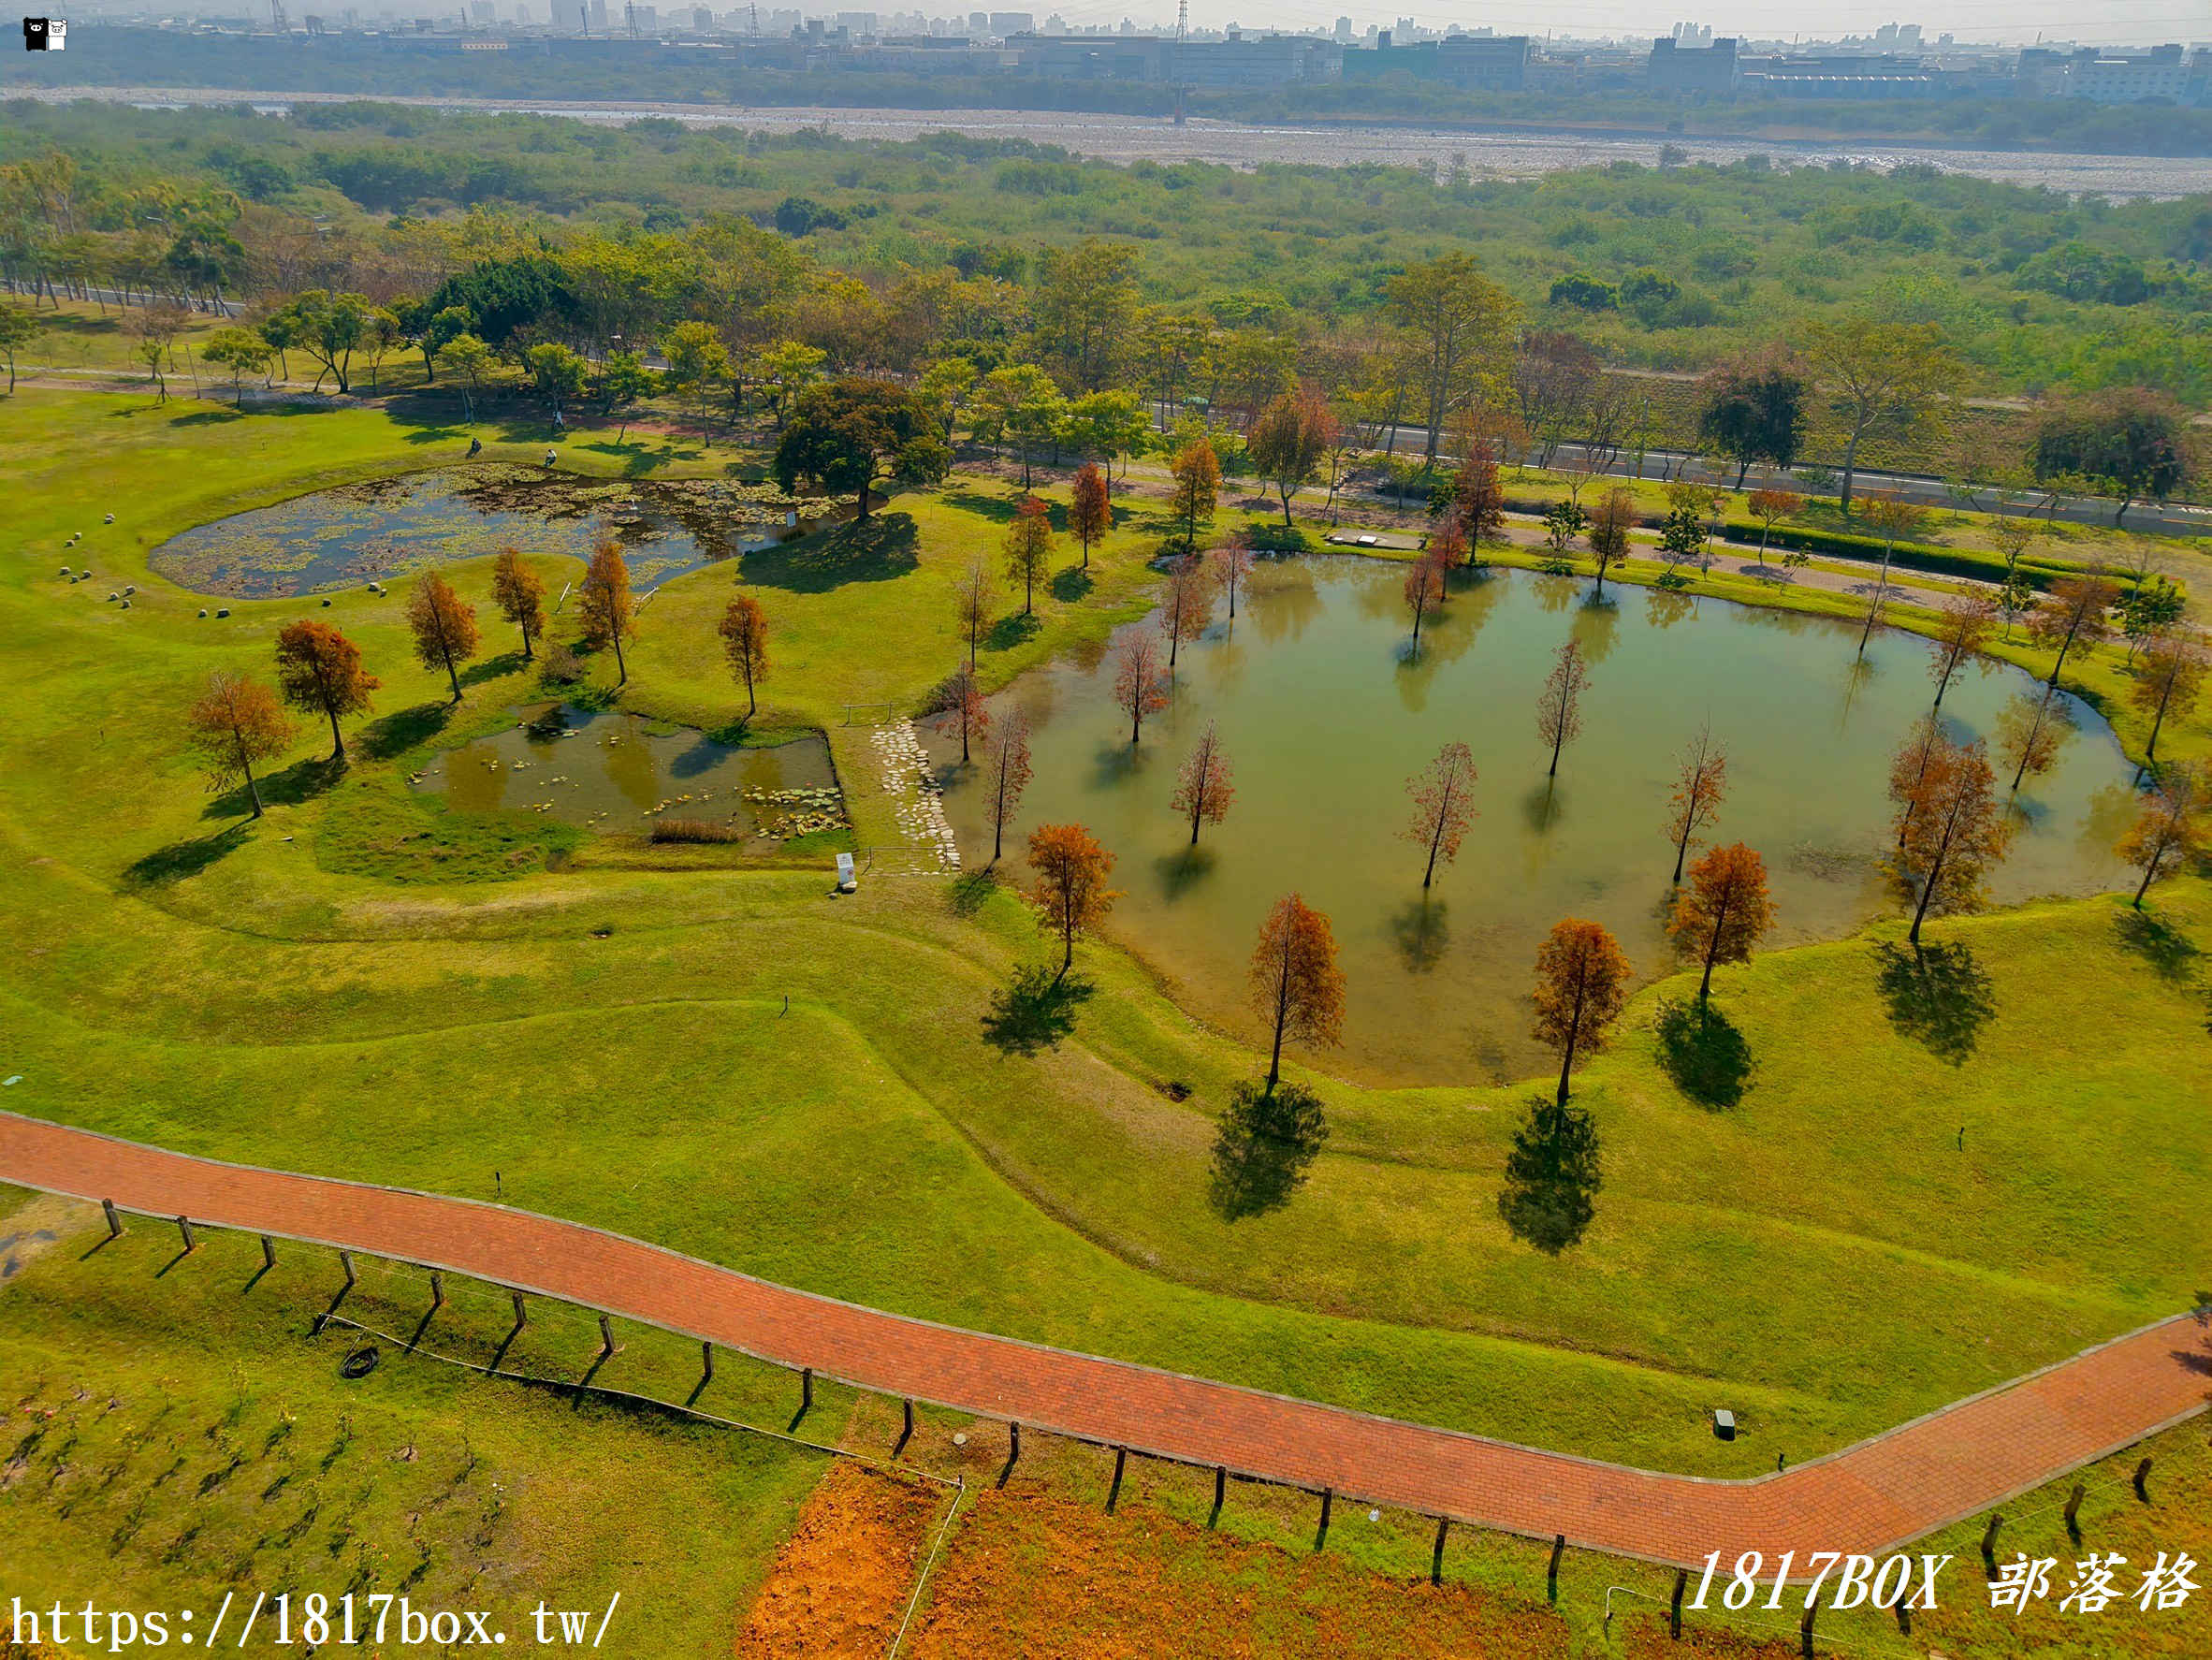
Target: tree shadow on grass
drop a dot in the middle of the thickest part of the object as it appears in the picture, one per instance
(1938, 995)
(492, 668)
(874, 549)
(1551, 1176)
(1000, 509)
(2171, 954)
(300, 781)
(1703, 1052)
(181, 859)
(1035, 1010)
(1264, 1149)
(405, 730)
(1070, 584)
(211, 417)
(1011, 630)
(972, 890)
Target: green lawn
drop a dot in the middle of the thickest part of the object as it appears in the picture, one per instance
(318, 992)
(177, 1432)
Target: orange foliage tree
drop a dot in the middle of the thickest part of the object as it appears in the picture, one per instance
(1091, 517)
(1609, 534)
(235, 723)
(604, 605)
(1581, 982)
(1698, 789)
(2173, 667)
(1139, 684)
(2031, 733)
(1955, 829)
(1028, 547)
(1443, 805)
(1202, 787)
(1195, 489)
(1771, 507)
(1297, 987)
(2074, 614)
(520, 595)
(1006, 774)
(1071, 892)
(1725, 910)
(319, 670)
(744, 629)
(444, 627)
(2171, 822)
(1559, 708)
(1963, 626)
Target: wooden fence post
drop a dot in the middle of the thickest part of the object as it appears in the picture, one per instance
(114, 1221)
(1990, 1546)
(1436, 1556)
(607, 1339)
(437, 1290)
(2142, 1478)
(184, 1228)
(1551, 1574)
(805, 1390)
(1805, 1629)
(1674, 1613)
(268, 1252)
(1121, 1463)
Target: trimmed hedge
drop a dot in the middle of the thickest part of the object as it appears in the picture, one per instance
(1914, 555)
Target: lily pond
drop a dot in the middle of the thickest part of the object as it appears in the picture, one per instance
(1324, 712)
(619, 772)
(361, 532)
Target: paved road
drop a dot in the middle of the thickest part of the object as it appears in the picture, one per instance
(1880, 1493)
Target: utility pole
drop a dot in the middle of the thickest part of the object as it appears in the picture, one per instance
(1182, 26)
(283, 23)
(756, 21)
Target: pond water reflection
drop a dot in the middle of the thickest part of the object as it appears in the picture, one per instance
(356, 533)
(1325, 714)
(618, 772)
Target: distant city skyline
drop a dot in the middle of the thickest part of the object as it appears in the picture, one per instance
(2018, 22)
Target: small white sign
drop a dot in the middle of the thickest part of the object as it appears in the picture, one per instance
(846, 882)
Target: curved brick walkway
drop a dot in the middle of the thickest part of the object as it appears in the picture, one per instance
(1872, 1496)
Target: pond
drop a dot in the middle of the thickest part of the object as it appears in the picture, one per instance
(619, 772)
(360, 532)
(1325, 714)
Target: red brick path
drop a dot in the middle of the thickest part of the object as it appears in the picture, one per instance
(1872, 1496)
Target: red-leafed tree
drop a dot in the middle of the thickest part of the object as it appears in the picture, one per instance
(1202, 787)
(1006, 774)
(1297, 987)
(520, 594)
(1071, 892)
(965, 708)
(1232, 562)
(1698, 787)
(1963, 626)
(1029, 548)
(1955, 829)
(1559, 708)
(1186, 603)
(1091, 517)
(1140, 683)
(1443, 805)
(1424, 591)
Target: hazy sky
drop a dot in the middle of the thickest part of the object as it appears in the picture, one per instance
(2144, 21)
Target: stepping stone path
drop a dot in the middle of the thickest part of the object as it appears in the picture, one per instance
(916, 797)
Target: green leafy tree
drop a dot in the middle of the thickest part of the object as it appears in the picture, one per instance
(2131, 440)
(331, 327)
(697, 360)
(1460, 329)
(559, 374)
(1288, 440)
(787, 371)
(1883, 379)
(1020, 405)
(1752, 409)
(240, 351)
(19, 328)
(470, 362)
(1086, 306)
(849, 434)
(624, 381)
